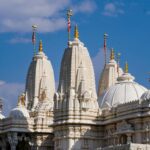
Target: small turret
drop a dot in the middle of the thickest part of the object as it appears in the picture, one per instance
(109, 74)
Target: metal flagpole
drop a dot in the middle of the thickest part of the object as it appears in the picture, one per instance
(34, 28)
(118, 62)
(69, 14)
(105, 47)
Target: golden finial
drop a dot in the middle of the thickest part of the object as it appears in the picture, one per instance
(76, 32)
(112, 54)
(40, 46)
(126, 70)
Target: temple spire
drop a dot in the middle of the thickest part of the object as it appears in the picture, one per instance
(112, 54)
(40, 46)
(76, 32)
(126, 70)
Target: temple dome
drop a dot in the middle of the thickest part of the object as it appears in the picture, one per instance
(145, 95)
(40, 78)
(125, 90)
(19, 113)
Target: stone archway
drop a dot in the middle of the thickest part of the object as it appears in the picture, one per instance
(123, 139)
(23, 145)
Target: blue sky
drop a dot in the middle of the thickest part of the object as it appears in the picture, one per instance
(127, 23)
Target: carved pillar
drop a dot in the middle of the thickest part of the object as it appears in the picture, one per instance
(13, 140)
(3, 144)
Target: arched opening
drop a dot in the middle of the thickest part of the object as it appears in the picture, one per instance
(23, 145)
(123, 139)
(8, 146)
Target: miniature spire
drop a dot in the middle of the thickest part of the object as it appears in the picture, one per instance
(76, 32)
(69, 14)
(126, 70)
(40, 46)
(105, 47)
(21, 100)
(112, 54)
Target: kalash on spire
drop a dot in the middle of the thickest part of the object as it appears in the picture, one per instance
(41, 46)
(76, 32)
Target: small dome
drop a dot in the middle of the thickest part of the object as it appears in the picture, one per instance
(125, 90)
(146, 95)
(19, 112)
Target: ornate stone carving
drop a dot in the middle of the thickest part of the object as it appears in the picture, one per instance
(124, 126)
(13, 140)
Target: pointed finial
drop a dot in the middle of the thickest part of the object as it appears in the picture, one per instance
(112, 54)
(76, 32)
(40, 46)
(126, 70)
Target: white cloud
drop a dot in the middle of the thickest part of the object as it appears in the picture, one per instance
(113, 9)
(2, 82)
(9, 92)
(19, 16)
(85, 6)
(19, 40)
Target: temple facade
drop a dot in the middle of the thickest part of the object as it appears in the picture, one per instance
(76, 116)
